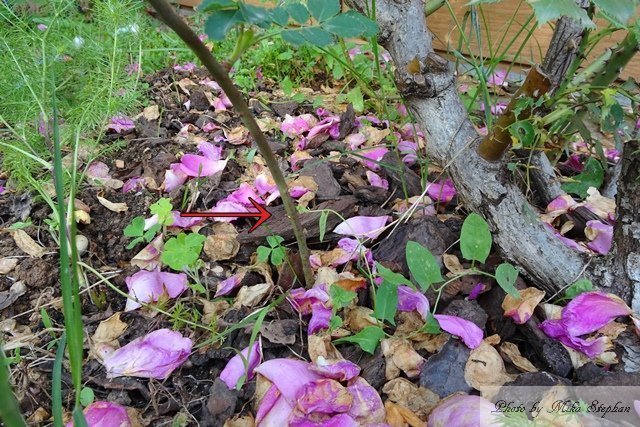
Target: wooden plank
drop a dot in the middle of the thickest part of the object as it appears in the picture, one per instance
(498, 38)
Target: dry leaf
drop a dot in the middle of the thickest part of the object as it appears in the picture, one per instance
(399, 416)
(7, 265)
(400, 356)
(374, 135)
(105, 338)
(27, 244)
(352, 285)
(493, 339)
(600, 205)
(357, 318)
(521, 309)
(405, 393)
(82, 217)
(9, 297)
(212, 309)
(250, 296)
(452, 263)
(237, 136)
(185, 83)
(306, 198)
(113, 207)
(220, 247)
(241, 421)
(485, 369)
(321, 345)
(149, 257)
(513, 355)
(151, 113)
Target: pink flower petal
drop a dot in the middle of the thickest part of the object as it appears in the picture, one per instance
(367, 408)
(174, 177)
(150, 286)
(556, 329)
(590, 311)
(409, 151)
(320, 318)
(98, 170)
(227, 206)
(355, 140)
(226, 286)
(134, 184)
(601, 236)
(341, 370)
(476, 291)
(442, 191)
(298, 419)
(468, 331)
(155, 355)
(288, 375)
(242, 195)
(120, 124)
(184, 222)
(267, 403)
(373, 156)
(410, 300)
(235, 368)
(463, 410)
(296, 126)
(149, 257)
(198, 166)
(324, 396)
(303, 300)
(277, 414)
(352, 247)
(265, 184)
(377, 181)
(561, 203)
(210, 151)
(498, 78)
(188, 67)
(362, 226)
(105, 414)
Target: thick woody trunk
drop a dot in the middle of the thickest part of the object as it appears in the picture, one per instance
(484, 187)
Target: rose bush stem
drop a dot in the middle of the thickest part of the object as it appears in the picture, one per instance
(219, 74)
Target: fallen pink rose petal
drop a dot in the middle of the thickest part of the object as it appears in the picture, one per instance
(329, 125)
(464, 410)
(134, 184)
(222, 102)
(149, 257)
(228, 206)
(149, 286)
(367, 407)
(199, 166)
(155, 355)
(188, 67)
(298, 191)
(295, 126)
(210, 151)
(601, 236)
(590, 311)
(410, 300)
(584, 315)
(498, 78)
(320, 318)
(476, 291)
(442, 191)
(574, 162)
(184, 222)
(174, 177)
(341, 370)
(377, 181)
(325, 396)
(521, 309)
(402, 110)
(226, 286)
(212, 84)
(362, 226)
(98, 170)
(297, 157)
(302, 300)
(567, 241)
(409, 151)
(372, 157)
(269, 399)
(355, 140)
(120, 124)
(612, 154)
(561, 203)
(235, 368)
(265, 184)
(298, 419)
(288, 375)
(105, 414)
(557, 330)
(243, 194)
(497, 109)
(277, 415)
(352, 246)
(468, 331)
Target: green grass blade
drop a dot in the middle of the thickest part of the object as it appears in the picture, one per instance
(9, 411)
(56, 383)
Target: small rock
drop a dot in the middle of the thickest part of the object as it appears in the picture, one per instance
(284, 108)
(222, 401)
(589, 372)
(469, 310)
(82, 243)
(443, 373)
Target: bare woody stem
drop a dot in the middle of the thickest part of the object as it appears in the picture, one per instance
(175, 22)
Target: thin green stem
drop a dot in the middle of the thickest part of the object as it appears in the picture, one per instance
(9, 410)
(190, 38)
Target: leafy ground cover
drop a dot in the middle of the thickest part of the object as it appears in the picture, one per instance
(190, 321)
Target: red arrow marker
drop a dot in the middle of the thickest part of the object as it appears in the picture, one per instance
(262, 214)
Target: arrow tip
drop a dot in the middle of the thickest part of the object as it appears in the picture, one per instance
(264, 214)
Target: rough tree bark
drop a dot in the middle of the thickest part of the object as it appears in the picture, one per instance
(484, 187)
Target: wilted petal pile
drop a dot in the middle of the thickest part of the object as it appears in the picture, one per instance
(584, 315)
(155, 355)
